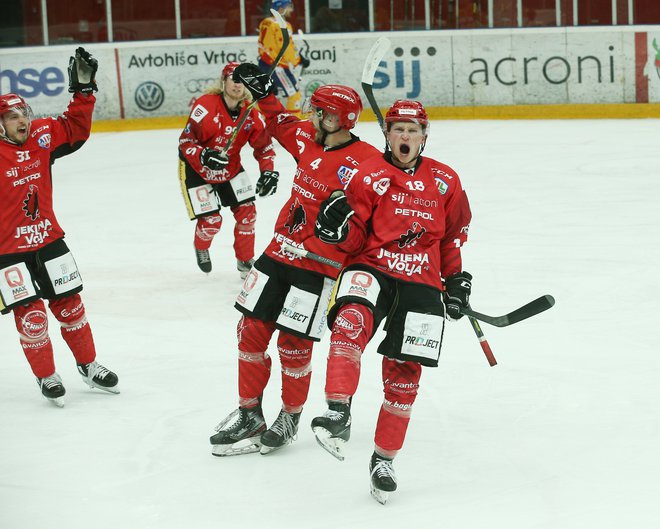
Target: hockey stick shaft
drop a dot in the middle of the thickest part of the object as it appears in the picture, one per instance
(301, 252)
(285, 44)
(376, 54)
(485, 346)
(532, 308)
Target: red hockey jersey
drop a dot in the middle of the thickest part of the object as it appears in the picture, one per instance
(410, 227)
(320, 171)
(211, 125)
(27, 220)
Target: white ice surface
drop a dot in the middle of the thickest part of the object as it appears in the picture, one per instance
(563, 434)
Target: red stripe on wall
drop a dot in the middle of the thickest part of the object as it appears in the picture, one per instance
(641, 58)
(121, 94)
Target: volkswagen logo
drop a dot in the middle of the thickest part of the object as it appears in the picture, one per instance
(149, 96)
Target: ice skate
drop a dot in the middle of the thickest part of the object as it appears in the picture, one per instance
(333, 428)
(97, 376)
(52, 389)
(240, 433)
(383, 478)
(281, 433)
(244, 267)
(204, 260)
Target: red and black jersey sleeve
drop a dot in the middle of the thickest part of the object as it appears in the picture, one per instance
(282, 125)
(262, 144)
(457, 222)
(70, 130)
(197, 132)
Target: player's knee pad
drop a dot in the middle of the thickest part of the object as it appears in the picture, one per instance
(69, 311)
(32, 323)
(246, 218)
(295, 355)
(208, 227)
(253, 334)
(400, 385)
(351, 331)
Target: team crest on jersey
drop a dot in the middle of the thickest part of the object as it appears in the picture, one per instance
(442, 186)
(297, 217)
(411, 237)
(44, 141)
(31, 203)
(381, 186)
(346, 173)
(198, 113)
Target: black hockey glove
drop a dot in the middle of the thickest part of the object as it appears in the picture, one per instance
(267, 183)
(304, 61)
(213, 159)
(82, 72)
(258, 83)
(332, 221)
(457, 294)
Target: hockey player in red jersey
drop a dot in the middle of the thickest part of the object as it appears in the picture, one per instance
(281, 291)
(402, 220)
(35, 262)
(210, 180)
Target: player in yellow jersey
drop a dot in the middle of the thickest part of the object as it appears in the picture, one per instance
(270, 42)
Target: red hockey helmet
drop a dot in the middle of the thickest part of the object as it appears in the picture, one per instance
(407, 111)
(340, 100)
(229, 69)
(13, 103)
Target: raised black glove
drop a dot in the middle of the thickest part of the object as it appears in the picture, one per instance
(82, 72)
(213, 159)
(457, 294)
(304, 61)
(258, 83)
(267, 183)
(331, 224)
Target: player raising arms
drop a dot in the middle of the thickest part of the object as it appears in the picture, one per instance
(281, 291)
(35, 262)
(210, 180)
(402, 220)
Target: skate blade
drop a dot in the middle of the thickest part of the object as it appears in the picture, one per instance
(245, 446)
(114, 390)
(265, 449)
(333, 445)
(57, 401)
(380, 496)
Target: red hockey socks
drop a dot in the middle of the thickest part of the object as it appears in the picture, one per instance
(253, 362)
(77, 334)
(296, 361)
(246, 217)
(400, 383)
(32, 325)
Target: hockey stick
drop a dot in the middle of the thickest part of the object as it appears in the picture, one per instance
(376, 54)
(526, 311)
(285, 44)
(301, 252)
